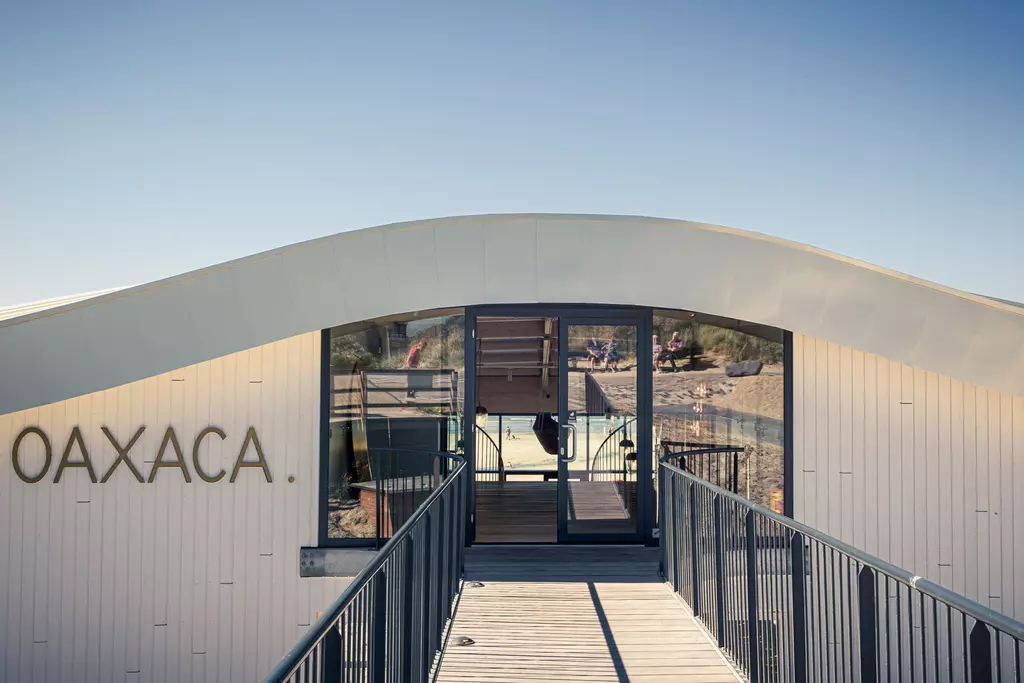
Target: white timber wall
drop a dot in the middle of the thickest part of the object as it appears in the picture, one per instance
(921, 470)
(165, 581)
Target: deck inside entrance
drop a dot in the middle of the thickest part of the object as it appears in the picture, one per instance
(562, 613)
(526, 511)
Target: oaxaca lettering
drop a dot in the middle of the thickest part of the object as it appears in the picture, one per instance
(168, 456)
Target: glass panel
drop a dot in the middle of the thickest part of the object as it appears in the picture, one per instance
(516, 431)
(602, 403)
(719, 394)
(393, 384)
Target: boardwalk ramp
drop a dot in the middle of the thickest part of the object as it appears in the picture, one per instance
(558, 613)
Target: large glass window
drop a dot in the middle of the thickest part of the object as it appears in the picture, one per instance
(393, 383)
(719, 394)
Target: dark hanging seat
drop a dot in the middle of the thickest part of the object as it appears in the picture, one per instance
(546, 429)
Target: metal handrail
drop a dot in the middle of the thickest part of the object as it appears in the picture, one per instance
(711, 450)
(307, 659)
(500, 471)
(780, 593)
(598, 455)
(930, 588)
(613, 433)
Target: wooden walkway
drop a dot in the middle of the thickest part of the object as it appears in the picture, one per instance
(557, 613)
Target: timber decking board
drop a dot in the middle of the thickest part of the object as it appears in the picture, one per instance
(558, 613)
(526, 511)
(516, 512)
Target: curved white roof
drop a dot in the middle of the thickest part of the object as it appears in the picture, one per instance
(118, 337)
(46, 304)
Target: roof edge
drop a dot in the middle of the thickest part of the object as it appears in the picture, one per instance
(108, 295)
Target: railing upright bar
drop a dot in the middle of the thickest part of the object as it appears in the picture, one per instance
(752, 612)
(664, 529)
(380, 619)
(735, 472)
(719, 533)
(694, 543)
(449, 558)
(330, 659)
(436, 594)
(424, 643)
(799, 585)
(981, 653)
(408, 629)
(867, 600)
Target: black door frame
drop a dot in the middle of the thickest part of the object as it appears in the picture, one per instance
(587, 313)
(644, 518)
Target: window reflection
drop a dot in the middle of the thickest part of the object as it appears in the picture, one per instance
(393, 383)
(716, 387)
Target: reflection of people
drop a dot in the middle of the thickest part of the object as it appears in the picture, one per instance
(594, 355)
(677, 348)
(508, 433)
(661, 354)
(611, 354)
(413, 361)
(675, 344)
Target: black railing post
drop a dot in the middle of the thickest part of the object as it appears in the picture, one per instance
(330, 667)
(378, 498)
(425, 653)
(380, 627)
(719, 532)
(735, 471)
(437, 627)
(663, 525)
(752, 611)
(408, 629)
(867, 599)
(460, 533)
(799, 608)
(694, 544)
(672, 488)
(981, 653)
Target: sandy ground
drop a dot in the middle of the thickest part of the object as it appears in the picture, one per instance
(525, 452)
(761, 394)
(346, 519)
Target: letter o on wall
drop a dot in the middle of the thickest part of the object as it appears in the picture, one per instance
(14, 455)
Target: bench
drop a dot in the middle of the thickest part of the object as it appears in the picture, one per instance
(690, 351)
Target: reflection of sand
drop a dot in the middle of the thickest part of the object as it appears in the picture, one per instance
(758, 395)
(525, 451)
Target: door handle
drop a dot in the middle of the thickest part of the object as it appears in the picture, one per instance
(571, 427)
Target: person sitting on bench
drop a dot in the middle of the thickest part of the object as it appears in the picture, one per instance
(677, 347)
(594, 354)
(611, 354)
(660, 355)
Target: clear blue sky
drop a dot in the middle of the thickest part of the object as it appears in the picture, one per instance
(140, 140)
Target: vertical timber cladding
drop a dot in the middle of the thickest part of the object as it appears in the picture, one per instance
(917, 468)
(190, 573)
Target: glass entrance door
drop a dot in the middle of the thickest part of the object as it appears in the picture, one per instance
(604, 440)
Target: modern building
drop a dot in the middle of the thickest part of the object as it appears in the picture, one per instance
(187, 467)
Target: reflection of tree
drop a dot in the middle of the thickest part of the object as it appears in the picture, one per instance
(445, 344)
(365, 350)
(348, 352)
